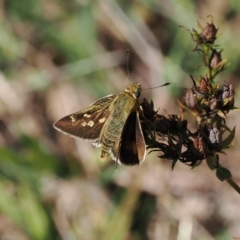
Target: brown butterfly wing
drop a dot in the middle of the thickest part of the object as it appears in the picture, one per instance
(87, 123)
(131, 148)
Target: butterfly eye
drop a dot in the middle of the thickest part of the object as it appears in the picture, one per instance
(137, 94)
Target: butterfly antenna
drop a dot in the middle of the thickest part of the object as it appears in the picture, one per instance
(165, 84)
(128, 53)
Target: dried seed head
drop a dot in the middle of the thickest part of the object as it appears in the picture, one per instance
(147, 110)
(198, 147)
(163, 124)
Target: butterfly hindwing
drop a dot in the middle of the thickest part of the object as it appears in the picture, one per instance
(131, 148)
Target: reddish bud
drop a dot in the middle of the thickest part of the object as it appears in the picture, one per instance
(203, 85)
(209, 33)
(190, 98)
(215, 59)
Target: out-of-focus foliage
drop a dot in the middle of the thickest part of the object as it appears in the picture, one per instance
(57, 57)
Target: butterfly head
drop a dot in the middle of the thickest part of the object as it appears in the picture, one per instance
(134, 89)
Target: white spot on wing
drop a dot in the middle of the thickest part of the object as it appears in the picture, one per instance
(72, 118)
(90, 123)
(102, 120)
(87, 115)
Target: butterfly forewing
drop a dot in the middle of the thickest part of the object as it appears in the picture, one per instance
(87, 123)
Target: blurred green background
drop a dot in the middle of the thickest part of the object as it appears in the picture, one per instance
(57, 57)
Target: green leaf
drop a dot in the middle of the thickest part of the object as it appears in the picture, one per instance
(228, 141)
(195, 35)
(212, 161)
(32, 212)
(174, 163)
(197, 164)
(236, 109)
(221, 114)
(223, 174)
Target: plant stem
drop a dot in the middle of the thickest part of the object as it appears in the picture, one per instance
(233, 185)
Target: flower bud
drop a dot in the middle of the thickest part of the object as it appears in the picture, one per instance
(190, 98)
(213, 105)
(228, 91)
(201, 89)
(215, 59)
(203, 85)
(209, 33)
(228, 95)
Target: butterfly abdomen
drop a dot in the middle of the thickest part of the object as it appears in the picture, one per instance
(109, 138)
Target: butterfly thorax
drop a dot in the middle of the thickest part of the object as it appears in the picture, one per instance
(122, 106)
(134, 89)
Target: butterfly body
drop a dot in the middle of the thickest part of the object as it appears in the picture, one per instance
(111, 123)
